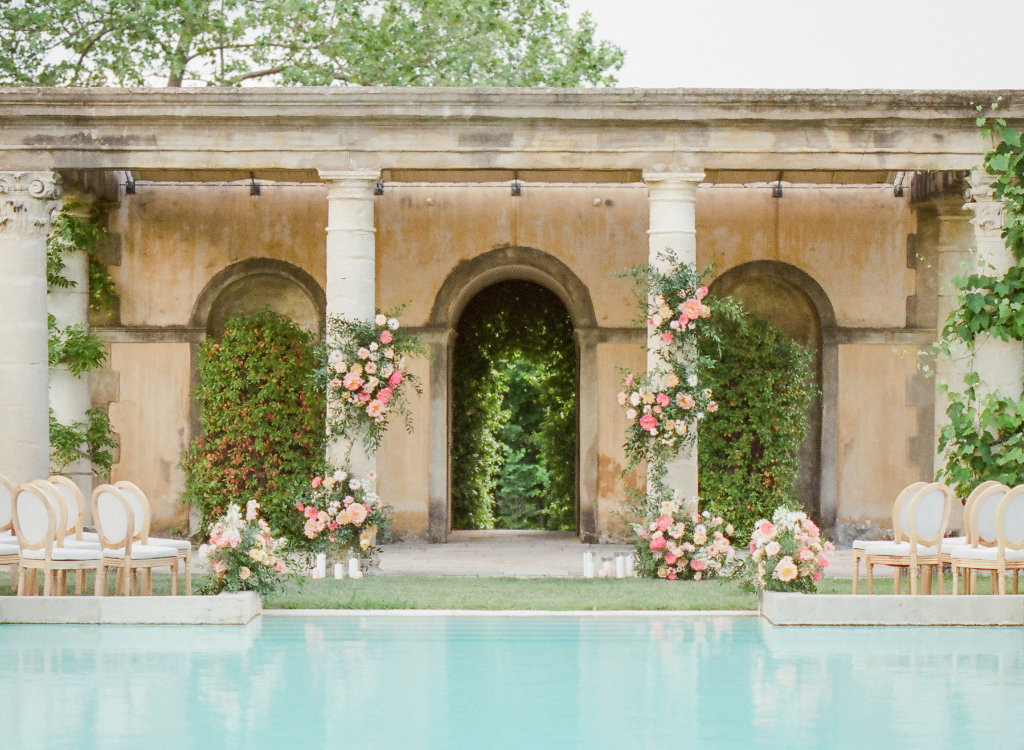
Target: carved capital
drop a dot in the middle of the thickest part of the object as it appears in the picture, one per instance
(988, 212)
(28, 201)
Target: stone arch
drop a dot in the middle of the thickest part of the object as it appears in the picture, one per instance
(796, 303)
(466, 280)
(249, 286)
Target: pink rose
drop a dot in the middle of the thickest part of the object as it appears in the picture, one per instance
(385, 337)
(395, 379)
(316, 482)
(698, 564)
(352, 381)
(311, 512)
(670, 558)
(765, 529)
(335, 383)
(702, 292)
(685, 401)
(357, 512)
(385, 395)
(683, 320)
(671, 576)
(823, 561)
(657, 544)
(816, 576)
(648, 422)
(753, 546)
(364, 397)
(629, 380)
(644, 533)
(804, 554)
(662, 399)
(691, 309)
(664, 522)
(299, 506)
(713, 406)
(810, 527)
(667, 337)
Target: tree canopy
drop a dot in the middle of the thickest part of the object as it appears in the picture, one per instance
(301, 42)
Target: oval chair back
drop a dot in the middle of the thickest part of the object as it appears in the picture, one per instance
(73, 500)
(1010, 521)
(140, 507)
(928, 515)
(34, 520)
(6, 502)
(114, 518)
(60, 508)
(899, 509)
(969, 503)
(983, 516)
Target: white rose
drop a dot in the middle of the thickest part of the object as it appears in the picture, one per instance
(630, 414)
(692, 381)
(393, 324)
(334, 357)
(340, 367)
(389, 353)
(634, 398)
(374, 346)
(656, 320)
(380, 320)
(622, 399)
(354, 484)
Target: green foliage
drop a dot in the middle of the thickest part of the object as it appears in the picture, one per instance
(262, 421)
(91, 440)
(363, 371)
(984, 437)
(301, 42)
(514, 411)
(74, 347)
(749, 448)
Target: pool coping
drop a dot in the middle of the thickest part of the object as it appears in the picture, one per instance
(509, 613)
(789, 609)
(223, 609)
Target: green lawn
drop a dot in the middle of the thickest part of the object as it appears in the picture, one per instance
(424, 592)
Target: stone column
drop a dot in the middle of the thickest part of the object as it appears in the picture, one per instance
(27, 203)
(70, 395)
(351, 269)
(999, 363)
(673, 226)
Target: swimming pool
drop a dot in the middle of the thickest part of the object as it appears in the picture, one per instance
(501, 682)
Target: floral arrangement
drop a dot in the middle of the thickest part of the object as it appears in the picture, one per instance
(663, 405)
(364, 375)
(343, 516)
(675, 544)
(243, 554)
(786, 554)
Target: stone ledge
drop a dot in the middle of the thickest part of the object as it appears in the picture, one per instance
(847, 609)
(224, 609)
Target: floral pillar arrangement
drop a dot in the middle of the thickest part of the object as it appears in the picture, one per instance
(363, 373)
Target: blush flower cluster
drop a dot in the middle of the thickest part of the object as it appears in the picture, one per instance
(365, 375)
(343, 515)
(786, 553)
(243, 553)
(678, 545)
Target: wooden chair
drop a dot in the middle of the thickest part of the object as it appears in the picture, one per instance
(920, 528)
(860, 544)
(8, 542)
(36, 525)
(76, 509)
(999, 515)
(979, 523)
(965, 538)
(115, 525)
(143, 516)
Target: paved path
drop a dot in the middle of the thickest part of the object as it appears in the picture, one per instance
(521, 554)
(488, 554)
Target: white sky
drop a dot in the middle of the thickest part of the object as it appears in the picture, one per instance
(896, 44)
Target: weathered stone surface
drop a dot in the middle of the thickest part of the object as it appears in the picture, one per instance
(224, 609)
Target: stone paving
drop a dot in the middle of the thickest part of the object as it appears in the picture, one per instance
(522, 554)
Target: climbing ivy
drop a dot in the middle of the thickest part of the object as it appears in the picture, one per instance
(74, 346)
(749, 448)
(984, 436)
(262, 420)
(514, 411)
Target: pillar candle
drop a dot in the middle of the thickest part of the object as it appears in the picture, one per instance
(353, 567)
(620, 566)
(321, 565)
(339, 571)
(588, 564)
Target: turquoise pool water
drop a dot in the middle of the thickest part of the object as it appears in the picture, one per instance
(405, 683)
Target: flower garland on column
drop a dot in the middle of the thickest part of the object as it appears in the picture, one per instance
(364, 373)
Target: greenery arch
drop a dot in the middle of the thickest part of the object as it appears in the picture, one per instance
(514, 411)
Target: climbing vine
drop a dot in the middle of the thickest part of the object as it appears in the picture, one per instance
(984, 437)
(749, 448)
(73, 346)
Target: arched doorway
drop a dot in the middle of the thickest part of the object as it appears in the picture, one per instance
(514, 443)
(795, 303)
(461, 286)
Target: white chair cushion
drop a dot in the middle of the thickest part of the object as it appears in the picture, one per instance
(90, 536)
(892, 549)
(71, 543)
(62, 553)
(142, 552)
(951, 540)
(989, 554)
(181, 544)
(6, 548)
